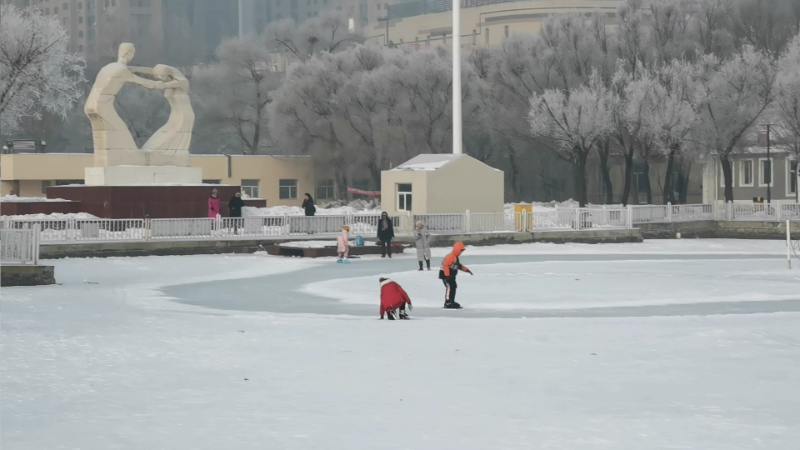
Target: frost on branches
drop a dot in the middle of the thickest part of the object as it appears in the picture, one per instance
(574, 121)
(36, 71)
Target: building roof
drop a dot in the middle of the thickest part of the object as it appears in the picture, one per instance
(428, 162)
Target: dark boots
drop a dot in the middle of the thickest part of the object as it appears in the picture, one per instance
(420, 265)
(452, 305)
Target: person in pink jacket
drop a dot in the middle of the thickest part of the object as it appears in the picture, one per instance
(343, 245)
(213, 204)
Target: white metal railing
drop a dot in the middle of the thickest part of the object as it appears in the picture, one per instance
(20, 246)
(443, 223)
(752, 211)
(650, 214)
(790, 211)
(541, 219)
(108, 230)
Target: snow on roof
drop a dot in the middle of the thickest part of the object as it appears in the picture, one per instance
(428, 162)
(16, 199)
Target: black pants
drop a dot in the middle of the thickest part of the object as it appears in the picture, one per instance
(402, 311)
(386, 247)
(450, 286)
(237, 222)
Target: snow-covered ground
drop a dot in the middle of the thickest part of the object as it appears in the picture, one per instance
(120, 355)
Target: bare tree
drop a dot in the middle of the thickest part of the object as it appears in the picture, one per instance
(232, 95)
(576, 120)
(735, 93)
(36, 71)
(328, 33)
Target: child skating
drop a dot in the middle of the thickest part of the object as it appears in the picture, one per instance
(394, 300)
(447, 274)
(343, 245)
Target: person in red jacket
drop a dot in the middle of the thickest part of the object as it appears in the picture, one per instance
(394, 299)
(447, 274)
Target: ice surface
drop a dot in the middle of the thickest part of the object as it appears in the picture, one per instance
(116, 364)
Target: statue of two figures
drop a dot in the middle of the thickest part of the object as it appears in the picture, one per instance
(113, 142)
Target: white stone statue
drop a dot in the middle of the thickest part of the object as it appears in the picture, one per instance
(171, 142)
(165, 156)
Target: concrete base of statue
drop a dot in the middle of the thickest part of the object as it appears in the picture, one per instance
(142, 175)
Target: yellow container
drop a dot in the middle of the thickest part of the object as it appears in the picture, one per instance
(520, 210)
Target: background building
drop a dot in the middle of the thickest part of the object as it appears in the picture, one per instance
(423, 23)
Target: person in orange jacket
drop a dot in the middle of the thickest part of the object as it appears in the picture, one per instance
(447, 274)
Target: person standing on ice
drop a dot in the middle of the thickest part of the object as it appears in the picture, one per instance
(447, 274)
(343, 245)
(385, 234)
(421, 236)
(235, 205)
(394, 300)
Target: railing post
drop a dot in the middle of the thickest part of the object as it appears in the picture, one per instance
(669, 212)
(729, 211)
(630, 216)
(577, 219)
(466, 222)
(147, 228)
(37, 230)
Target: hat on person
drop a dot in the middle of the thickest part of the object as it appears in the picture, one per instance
(419, 223)
(345, 227)
(214, 191)
(381, 280)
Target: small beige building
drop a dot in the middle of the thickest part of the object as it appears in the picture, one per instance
(442, 184)
(281, 180)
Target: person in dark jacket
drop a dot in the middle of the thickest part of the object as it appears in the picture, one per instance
(385, 234)
(308, 205)
(235, 205)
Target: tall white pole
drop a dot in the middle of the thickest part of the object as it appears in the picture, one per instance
(456, 77)
(241, 19)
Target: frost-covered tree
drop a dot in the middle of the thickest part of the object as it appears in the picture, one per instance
(575, 120)
(231, 97)
(37, 73)
(786, 108)
(665, 101)
(735, 93)
(328, 33)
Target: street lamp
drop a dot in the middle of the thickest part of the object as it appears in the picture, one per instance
(768, 164)
(386, 36)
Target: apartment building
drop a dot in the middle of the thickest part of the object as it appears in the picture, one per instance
(97, 27)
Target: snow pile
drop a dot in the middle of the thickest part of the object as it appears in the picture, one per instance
(53, 216)
(15, 199)
(330, 209)
(541, 205)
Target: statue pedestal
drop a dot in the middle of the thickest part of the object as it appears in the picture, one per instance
(142, 175)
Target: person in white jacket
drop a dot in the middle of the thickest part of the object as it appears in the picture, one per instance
(421, 236)
(343, 245)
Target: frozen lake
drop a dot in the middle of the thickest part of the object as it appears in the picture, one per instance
(665, 344)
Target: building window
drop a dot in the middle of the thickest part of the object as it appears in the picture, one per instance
(745, 173)
(80, 48)
(379, 6)
(55, 10)
(68, 182)
(80, 5)
(65, 21)
(80, 33)
(791, 183)
(361, 185)
(212, 181)
(90, 6)
(404, 197)
(80, 19)
(90, 34)
(90, 21)
(107, 1)
(65, 6)
(765, 170)
(46, 184)
(287, 189)
(250, 188)
(325, 189)
(113, 2)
